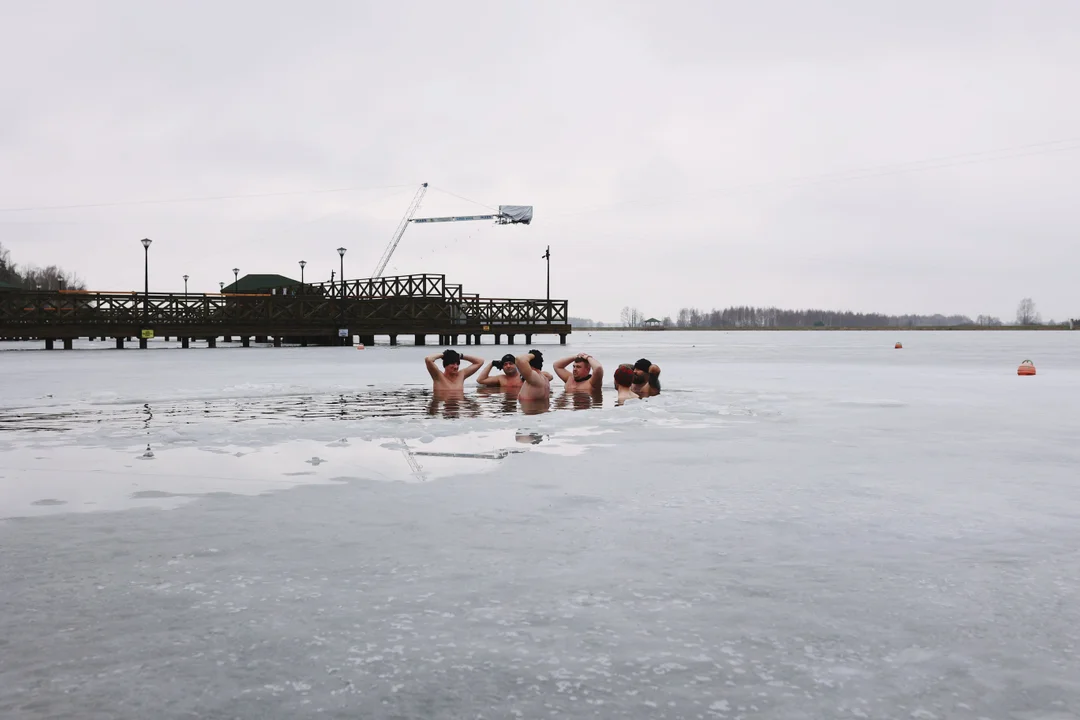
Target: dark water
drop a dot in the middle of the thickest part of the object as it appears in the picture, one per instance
(401, 402)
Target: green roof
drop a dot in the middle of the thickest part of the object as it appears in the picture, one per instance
(8, 286)
(258, 283)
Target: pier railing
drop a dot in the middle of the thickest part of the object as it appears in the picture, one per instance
(36, 309)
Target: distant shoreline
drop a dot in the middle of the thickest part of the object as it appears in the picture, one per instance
(962, 328)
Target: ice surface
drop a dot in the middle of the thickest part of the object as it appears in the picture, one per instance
(803, 525)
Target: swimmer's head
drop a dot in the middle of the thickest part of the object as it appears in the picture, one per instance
(624, 376)
(451, 361)
(509, 364)
(641, 371)
(582, 369)
(538, 359)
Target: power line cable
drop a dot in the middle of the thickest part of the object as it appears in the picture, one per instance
(119, 203)
(938, 163)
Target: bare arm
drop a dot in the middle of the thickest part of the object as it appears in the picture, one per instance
(477, 363)
(433, 371)
(485, 380)
(528, 374)
(560, 368)
(597, 372)
(654, 377)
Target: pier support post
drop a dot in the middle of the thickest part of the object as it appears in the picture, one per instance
(227, 338)
(367, 340)
(393, 339)
(509, 338)
(303, 342)
(478, 338)
(119, 343)
(142, 343)
(211, 342)
(48, 343)
(498, 338)
(245, 341)
(562, 338)
(468, 339)
(528, 338)
(185, 343)
(420, 340)
(68, 343)
(277, 342)
(260, 339)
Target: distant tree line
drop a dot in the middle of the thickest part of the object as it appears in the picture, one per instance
(754, 317)
(30, 277)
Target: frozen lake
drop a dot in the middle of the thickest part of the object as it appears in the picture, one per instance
(803, 525)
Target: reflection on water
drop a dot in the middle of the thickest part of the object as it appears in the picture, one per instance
(400, 402)
(169, 476)
(579, 400)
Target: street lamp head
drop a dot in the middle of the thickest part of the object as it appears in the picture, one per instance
(185, 278)
(341, 252)
(303, 263)
(221, 286)
(236, 270)
(146, 242)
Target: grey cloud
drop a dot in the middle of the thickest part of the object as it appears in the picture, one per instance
(657, 142)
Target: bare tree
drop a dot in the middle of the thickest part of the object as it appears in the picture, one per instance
(631, 317)
(1026, 313)
(47, 278)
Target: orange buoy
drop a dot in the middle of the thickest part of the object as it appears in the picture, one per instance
(1026, 368)
(360, 346)
(898, 346)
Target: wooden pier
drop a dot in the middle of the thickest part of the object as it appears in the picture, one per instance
(315, 314)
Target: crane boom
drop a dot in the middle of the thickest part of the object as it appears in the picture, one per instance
(454, 218)
(507, 215)
(413, 207)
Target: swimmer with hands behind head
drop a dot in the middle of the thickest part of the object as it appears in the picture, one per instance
(451, 378)
(536, 383)
(586, 375)
(509, 380)
(646, 378)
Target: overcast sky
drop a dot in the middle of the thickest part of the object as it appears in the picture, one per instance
(677, 154)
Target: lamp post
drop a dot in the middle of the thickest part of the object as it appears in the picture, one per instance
(236, 277)
(303, 264)
(341, 253)
(547, 256)
(221, 286)
(185, 286)
(146, 276)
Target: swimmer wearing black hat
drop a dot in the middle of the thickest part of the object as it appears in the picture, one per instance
(587, 374)
(509, 380)
(646, 378)
(536, 383)
(451, 377)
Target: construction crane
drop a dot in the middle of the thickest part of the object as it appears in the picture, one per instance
(413, 206)
(507, 215)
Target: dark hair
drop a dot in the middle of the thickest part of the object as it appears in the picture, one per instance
(451, 357)
(643, 365)
(581, 359)
(538, 359)
(507, 358)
